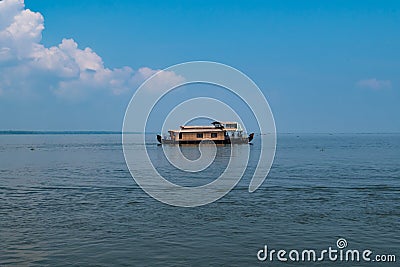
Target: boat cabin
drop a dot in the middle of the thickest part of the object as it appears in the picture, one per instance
(218, 131)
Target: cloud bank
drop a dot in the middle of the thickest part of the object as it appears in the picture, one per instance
(375, 84)
(27, 66)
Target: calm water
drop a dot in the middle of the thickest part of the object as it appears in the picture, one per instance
(71, 201)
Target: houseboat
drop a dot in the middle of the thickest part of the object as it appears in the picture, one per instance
(217, 132)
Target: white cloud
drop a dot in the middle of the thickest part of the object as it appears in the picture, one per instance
(26, 65)
(375, 84)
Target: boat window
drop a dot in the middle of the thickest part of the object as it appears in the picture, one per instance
(214, 135)
(180, 135)
(231, 126)
(199, 135)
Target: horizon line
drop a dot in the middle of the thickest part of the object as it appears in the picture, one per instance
(50, 132)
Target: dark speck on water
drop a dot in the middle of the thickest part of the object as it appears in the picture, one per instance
(74, 203)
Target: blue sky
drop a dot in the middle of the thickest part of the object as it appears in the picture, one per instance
(324, 66)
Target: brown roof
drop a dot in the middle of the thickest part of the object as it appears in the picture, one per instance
(197, 130)
(197, 127)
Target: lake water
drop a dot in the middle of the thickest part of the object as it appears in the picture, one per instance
(69, 200)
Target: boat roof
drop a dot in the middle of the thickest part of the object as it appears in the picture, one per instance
(197, 130)
(197, 127)
(203, 128)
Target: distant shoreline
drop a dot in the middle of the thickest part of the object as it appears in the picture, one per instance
(13, 132)
(17, 132)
